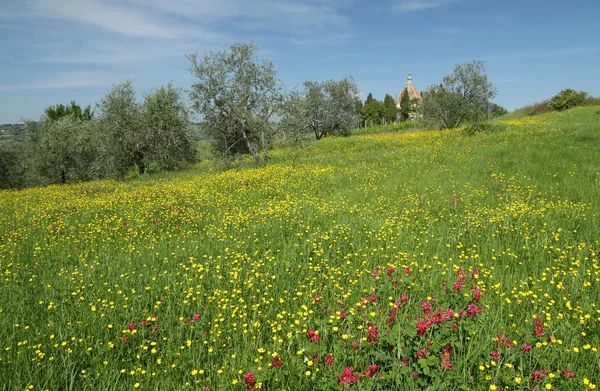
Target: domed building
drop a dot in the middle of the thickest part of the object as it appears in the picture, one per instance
(413, 93)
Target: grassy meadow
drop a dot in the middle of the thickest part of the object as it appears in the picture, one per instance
(392, 261)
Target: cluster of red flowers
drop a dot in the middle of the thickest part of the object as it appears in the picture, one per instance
(438, 317)
(375, 272)
(372, 371)
(526, 347)
(348, 377)
(445, 362)
(390, 271)
(328, 360)
(249, 380)
(476, 293)
(538, 376)
(539, 328)
(194, 318)
(567, 374)
(458, 284)
(423, 353)
(313, 336)
(372, 333)
(276, 362)
(392, 317)
(473, 310)
(502, 340)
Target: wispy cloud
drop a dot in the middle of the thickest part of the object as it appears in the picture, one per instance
(109, 16)
(331, 40)
(404, 6)
(77, 80)
(544, 53)
(448, 30)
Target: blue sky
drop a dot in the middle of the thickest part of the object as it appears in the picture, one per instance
(56, 51)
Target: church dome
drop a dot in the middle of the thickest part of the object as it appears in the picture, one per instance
(413, 93)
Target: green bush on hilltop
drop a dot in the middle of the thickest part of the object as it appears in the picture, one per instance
(566, 99)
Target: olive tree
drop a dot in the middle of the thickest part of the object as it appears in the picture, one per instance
(166, 130)
(153, 135)
(237, 97)
(322, 108)
(465, 95)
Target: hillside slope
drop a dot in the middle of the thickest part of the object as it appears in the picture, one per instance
(420, 260)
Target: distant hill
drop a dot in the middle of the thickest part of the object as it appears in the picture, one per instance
(12, 132)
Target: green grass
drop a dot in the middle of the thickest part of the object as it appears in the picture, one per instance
(264, 254)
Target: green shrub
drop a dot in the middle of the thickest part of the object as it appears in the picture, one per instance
(482, 127)
(567, 99)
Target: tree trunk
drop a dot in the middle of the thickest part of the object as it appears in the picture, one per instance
(253, 152)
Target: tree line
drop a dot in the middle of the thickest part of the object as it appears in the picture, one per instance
(242, 106)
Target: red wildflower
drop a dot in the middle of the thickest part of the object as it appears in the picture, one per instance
(276, 362)
(249, 380)
(458, 284)
(567, 374)
(390, 270)
(423, 353)
(474, 272)
(476, 293)
(372, 333)
(328, 360)
(526, 347)
(196, 317)
(537, 376)
(495, 355)
(316, 299)
(375, 272)
(132, 325)
(422, 328)
(348, 377)
(426, 305)
(343, 314)
(407, 271)
(392, 317)
(539, 327)
(372, 371)
(473, 310)
(313, 335)
(355, 345)
(404, 298)
(125, 339)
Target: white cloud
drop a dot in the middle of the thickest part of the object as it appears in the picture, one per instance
(76, 80)
(112, 17)
(448, 30)
(331, 40)
(404, 6)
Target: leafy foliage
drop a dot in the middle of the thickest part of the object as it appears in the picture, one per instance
(566, 99)
(237, 97)
(462, 96)
(56, 112)
(166, 130)
(404, 106)
(322, 108)
(372, 111)
(389, 109)
(498, 111)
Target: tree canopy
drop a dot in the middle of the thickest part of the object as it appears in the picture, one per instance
(464, 95)
(237, 96)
